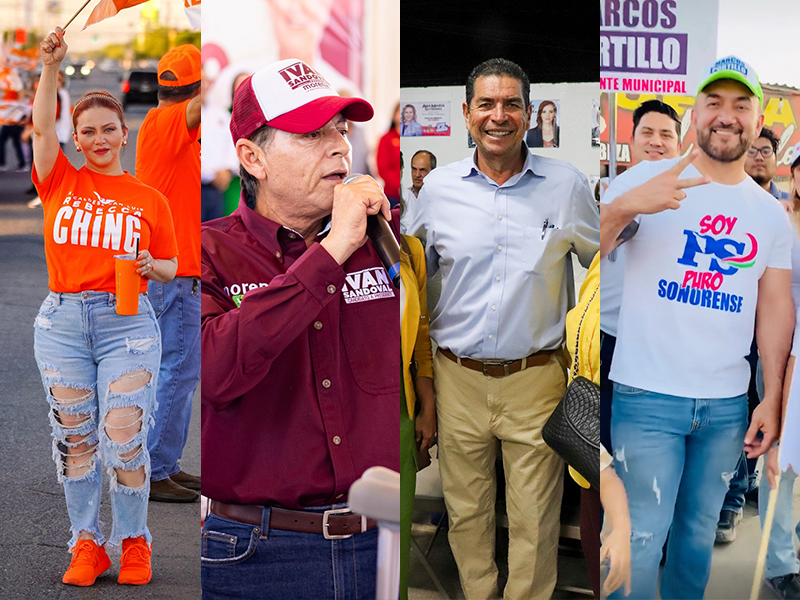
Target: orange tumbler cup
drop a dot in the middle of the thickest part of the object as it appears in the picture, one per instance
(128, 282)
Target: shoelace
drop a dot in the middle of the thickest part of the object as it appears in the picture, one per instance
(85, 552)
(136, 553)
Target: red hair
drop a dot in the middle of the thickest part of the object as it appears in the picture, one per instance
(97, 100)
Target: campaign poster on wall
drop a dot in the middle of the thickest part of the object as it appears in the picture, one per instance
(424, 119)
(544, 128)
(658, 46)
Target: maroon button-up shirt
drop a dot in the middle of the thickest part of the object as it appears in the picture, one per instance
(301, 365)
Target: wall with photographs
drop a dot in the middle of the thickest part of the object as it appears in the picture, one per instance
(576, 107)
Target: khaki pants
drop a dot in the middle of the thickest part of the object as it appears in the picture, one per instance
(475, 411)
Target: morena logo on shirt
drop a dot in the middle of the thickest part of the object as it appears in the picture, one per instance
(237, 291)
(301, 75)
(369, 284)
(97, 222)
(726, 256)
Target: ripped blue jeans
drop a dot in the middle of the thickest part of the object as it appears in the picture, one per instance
(100, 371)
(676, 457)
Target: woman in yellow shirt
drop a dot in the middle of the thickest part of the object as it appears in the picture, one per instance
(418, 409)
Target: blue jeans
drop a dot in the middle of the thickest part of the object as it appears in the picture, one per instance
(247, 562)
(177, 307)
(781, 554)
(675, 457)
(82, 344)
(744, 480)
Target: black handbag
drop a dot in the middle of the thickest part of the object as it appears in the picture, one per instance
(573, 430)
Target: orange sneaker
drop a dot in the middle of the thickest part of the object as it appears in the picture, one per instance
(135, 569)
(88, 562)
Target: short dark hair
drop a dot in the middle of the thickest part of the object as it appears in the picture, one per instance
(499, 67)
(261, 138)
(430, 154)
(659, 107)
(767, 133)
(176, 93)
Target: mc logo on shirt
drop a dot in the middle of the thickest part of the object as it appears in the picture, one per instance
(98, 223)
(369, 284)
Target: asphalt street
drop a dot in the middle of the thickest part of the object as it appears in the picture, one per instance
(34, 529)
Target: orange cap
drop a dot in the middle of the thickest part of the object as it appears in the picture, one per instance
(183, 62)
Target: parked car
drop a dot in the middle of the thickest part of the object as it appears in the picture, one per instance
(140, 87)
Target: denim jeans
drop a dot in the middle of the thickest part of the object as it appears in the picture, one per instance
(248, 562)
(81, 343)
(744, 480)
(781, 553)
(177, 308)
(675, 457)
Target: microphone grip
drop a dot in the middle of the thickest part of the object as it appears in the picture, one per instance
(382, 237)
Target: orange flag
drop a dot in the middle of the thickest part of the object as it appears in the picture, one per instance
(109, 8)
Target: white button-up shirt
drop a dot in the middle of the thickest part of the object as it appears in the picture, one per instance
(505, 255)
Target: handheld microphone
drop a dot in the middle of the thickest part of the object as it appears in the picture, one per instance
(382, 237)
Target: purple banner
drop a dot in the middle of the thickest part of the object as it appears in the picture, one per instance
(643, 52)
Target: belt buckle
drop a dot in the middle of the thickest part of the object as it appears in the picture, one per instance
(335, 511)
(503, 363)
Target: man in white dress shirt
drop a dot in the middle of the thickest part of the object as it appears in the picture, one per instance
(502, 226)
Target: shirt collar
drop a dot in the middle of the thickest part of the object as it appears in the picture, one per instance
(469, 166)
(268, 232)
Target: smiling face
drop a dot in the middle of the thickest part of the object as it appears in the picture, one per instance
(100, 134)
(727, 118)
(302, 169)
(654, 138)
(409, 114)
(497, 118)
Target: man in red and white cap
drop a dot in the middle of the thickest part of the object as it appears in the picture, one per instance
(300, 335)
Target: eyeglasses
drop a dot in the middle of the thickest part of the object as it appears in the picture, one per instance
(766, 151)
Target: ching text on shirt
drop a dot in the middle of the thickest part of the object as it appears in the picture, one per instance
(89, 218)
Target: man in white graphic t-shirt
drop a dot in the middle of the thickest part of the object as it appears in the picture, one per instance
(708, 257)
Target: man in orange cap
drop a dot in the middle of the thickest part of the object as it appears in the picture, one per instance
(168, 159)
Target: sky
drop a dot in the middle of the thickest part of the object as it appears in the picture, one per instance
(764, 33)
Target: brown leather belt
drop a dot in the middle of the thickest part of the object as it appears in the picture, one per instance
(502, 368)
(332, 524)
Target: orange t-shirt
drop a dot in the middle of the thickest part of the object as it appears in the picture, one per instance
(168, 158)
(89, 218)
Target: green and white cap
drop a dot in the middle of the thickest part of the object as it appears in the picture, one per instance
(734, 68)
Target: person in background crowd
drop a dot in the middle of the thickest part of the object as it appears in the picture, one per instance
(500, 368)
(782, 567)
(760, 164)
(387, 159)
(168, 158)
(99, 368)
(413, 219)
(219, 163)
(656, 135)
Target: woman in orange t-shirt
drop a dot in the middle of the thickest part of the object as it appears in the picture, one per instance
(99, 368)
